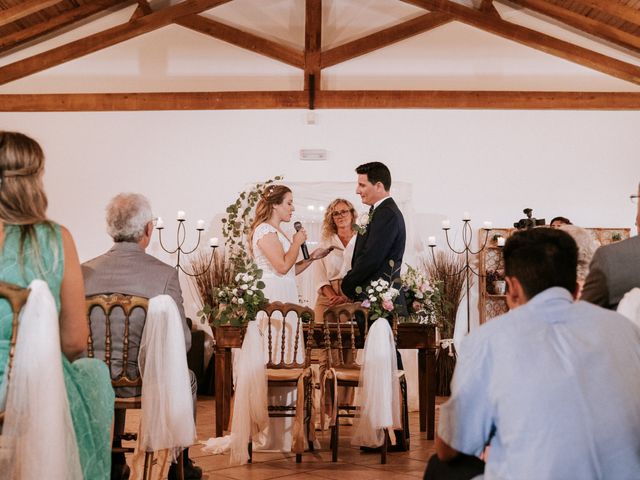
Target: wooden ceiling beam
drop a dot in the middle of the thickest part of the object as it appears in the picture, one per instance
(584, 24)
(24, 9)
(383, 38)
(534, 39)
(243, 39)
(615, 8)
(435, 99)
(95, 102)
(312, 47)
(141, 10)
(104, 39)
(486, 100)
(28, 34)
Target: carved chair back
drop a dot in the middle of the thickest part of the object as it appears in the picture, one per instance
(110, 304)
(17, 297)
(283, 338)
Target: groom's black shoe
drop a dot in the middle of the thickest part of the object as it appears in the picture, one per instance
(191, 470)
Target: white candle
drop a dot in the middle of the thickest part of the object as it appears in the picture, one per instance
(488, 225)
(446, 224)
(159, 223)
(213, 242)
(431, 241)
(200, 225)
(180, 215)
(501, 241)
(466, 216)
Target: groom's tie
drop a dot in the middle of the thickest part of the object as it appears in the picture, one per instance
(371, 210)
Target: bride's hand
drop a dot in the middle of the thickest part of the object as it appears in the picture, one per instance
(300, 237)
(319, 253)
(338, 300)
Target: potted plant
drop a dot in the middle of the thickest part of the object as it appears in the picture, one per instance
(445, 270)
(496, 283)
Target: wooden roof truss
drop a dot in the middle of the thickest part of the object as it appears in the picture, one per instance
(616, 22)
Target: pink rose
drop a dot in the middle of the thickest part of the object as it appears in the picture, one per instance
(387, 305)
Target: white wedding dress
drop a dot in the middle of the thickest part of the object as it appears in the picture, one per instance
(278, 288)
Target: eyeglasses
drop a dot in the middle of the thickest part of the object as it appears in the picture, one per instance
(340, 213)
(634, 199)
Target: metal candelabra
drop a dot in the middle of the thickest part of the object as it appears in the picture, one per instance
(467, 269)
(181, 236)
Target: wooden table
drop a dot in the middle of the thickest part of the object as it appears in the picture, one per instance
(410, 336)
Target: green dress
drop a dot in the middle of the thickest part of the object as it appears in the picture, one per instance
(87, 381)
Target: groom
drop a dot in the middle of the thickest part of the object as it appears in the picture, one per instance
(383, 240)
(384, 235)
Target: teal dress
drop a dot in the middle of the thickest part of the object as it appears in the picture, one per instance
(87, 380)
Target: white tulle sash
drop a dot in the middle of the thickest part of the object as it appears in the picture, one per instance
(629, 306)
(167, 403)
(379, 396)
(38, 439)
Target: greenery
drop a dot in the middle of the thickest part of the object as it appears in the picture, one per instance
(447, 268)
(423, 298)
(238, 298)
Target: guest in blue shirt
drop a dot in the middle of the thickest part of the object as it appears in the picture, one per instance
(553, 386)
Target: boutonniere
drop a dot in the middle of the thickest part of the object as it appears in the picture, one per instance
(363, 222)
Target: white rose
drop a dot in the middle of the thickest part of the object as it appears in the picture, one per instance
(378, 289)
(221, 294)
(394, 292)
(249, 278)
(249, 292)
(372, 298)
(370, 290)
(363, 220)
(244, 286)
(238, 276)
(419, 295)
(254, 287)
(240, 301)
(245, 277)
(235, 291)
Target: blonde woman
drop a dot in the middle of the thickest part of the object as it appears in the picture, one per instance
(277, 256)
(339, 236)
(34, 247)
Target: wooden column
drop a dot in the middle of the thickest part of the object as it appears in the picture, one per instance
(312, 47)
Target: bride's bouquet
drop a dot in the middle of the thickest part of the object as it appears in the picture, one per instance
(240, 301)
(380, 296)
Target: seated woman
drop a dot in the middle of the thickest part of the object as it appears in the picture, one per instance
(338, 234)
(33, 247)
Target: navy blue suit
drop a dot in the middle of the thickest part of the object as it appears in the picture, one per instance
(383, 240)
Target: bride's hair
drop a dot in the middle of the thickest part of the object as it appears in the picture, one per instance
(272, 195)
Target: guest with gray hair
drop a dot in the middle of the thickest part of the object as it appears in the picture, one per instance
(127, 269)
(587, 246)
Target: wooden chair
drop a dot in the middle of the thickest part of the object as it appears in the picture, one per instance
(342, 337)
(128, 303)
(17, 297)
(283, 371)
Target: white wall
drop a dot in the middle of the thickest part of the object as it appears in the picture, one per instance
(492, 163)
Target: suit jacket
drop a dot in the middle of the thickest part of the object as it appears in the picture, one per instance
(383, 240)
(614, 270)
(128, 270)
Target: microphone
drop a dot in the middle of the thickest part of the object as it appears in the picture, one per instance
(303, 247)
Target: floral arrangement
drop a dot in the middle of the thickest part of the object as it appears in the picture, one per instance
(240, 302)
(380, 296)
(237, 300)
(423, 297)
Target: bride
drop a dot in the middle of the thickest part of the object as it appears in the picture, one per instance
(276, 255)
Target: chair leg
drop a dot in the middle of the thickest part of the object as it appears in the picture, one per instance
(385, 446)
(148, 465)
(180, 465)
(250, 449)
(335, 438)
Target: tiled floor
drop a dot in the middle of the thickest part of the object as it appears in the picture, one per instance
(352, 465)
